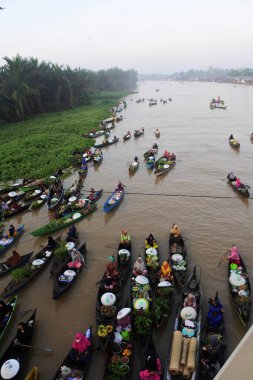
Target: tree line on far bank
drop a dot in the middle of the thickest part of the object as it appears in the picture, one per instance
(29, 87)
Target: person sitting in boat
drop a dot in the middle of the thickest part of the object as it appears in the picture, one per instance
(212, 357)
(136, 159)
(91, 197)
(120, 187)
(5, 310)
(155, 146)
(215, 314)
(190, 301)
(23, 336)
(238, 183)
(166, 154)
(15, 206)
(110, 284)
(98, 151)
(231, 137)
(14, 260)
(77, 259)
(231, 177)
(166, 272)
(175, 231)
(4, 206)
(153, 370)
(150, 242)
(111, 268)
(213, 101)
(129, 133)
(79, 353)
(51, 243)
(84, 164)
(72, 234)
(139, 267)
(58, 173)
(12, 231)
(114, 138)
(172, 157)
(125, 240)
(234, 256)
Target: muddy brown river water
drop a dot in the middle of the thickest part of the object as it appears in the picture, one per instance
(193, 195)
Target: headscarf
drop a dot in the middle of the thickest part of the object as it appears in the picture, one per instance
(190, 300)
(81, 343)
(234, 254)
(124, 232)
(165, 268)
(139, 265)
(111, 268)
(175, 230)
(75, 254)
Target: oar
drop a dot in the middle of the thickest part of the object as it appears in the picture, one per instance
(223, 258)
(38, 348)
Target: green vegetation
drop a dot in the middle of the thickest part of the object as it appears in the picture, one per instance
(39, 146)
(21, 274)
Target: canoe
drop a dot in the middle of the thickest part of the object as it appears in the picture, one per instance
(124, 261)
(177, 259)
(3, 329)
(243, 189)
(209, 373)
(163, 165)
(162, 302)
(96, 197)
(93, 135)
(151, 258)
(150, 162)
(16, 198)
(35, 266)
(234, 143)
(32, 195)
(157, 134)
(5, 188)
(4, 268)
(114, 200)
(106, 143)
(151, 351)
(6, 243)
(97, 159)
(242, 303)
(54, 200)
(69, 208)
(106, 316)
(56, 225)
(147, 153)
(133, 167)
(186, 331)
(108, 126)
(64, 282)
(33, 374)
(47, 180)
(38, 203)
(78, 371)
(21, 354)
(9, 213)
(138, 133)
(127, 136)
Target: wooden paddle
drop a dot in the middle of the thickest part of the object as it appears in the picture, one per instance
(38, 348)
(223, 258)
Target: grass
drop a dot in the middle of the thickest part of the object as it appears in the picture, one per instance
(37, 147)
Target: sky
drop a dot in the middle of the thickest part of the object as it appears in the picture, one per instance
(158, 36)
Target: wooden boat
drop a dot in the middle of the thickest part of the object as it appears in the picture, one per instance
(163, 165)
(56, 225)
(69, 208)
(150, 351)
(151, 151)
(178, 260)
(55, 199)
(133, 167)
(38, 203)
(217, 106)
(127, 136)
(47, 180)
(20, 354)
(32, 195)
(114, 200)
(242, 302)
(4, 328)
(106, 143)
(93, 135)
(150, 162)
(162, 301)
(95, 197)
(207, 331)
(33, 374)
(106, 315)
(6, 188)
(9, 213)
(124, 260)
(234, 143)
(243, 189)
(6, 243)
(36, 265)
(64, 282)
(15, 198)
(97, 158)
(78, 371)
(4, 268)
(186, 334)
(138, 132)
(157, 134)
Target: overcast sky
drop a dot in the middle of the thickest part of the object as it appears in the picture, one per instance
(158, 36)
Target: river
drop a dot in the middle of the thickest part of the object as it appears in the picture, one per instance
(211, 221)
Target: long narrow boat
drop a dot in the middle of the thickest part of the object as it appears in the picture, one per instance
(216, 106)
(56, 225)
(207, 369)
(5, 268)
(163, 165)
(151, 353)
(124, 260)
(114, 200)
(162, 301)
(6, 242)
(32, 195)
(20, 355)
(66, 280)
(97, 158)
(177, 259)
(242, 189)
(55, 199)
(4, 328)
(5, 188)
(9, 213)
(33, 374)
(77, 371)
(138, 132)
(127, 136)
(96, 196)
(36, 265)
(106, 143)
(234, 143)
(93, 135)
(47, 180)
(75, 206)
(183, 357)
(106, 314)
(240, 290)
(38, 203)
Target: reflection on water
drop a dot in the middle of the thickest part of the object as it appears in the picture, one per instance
(210, 223)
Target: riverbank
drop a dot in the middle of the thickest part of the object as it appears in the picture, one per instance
(37, 147)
